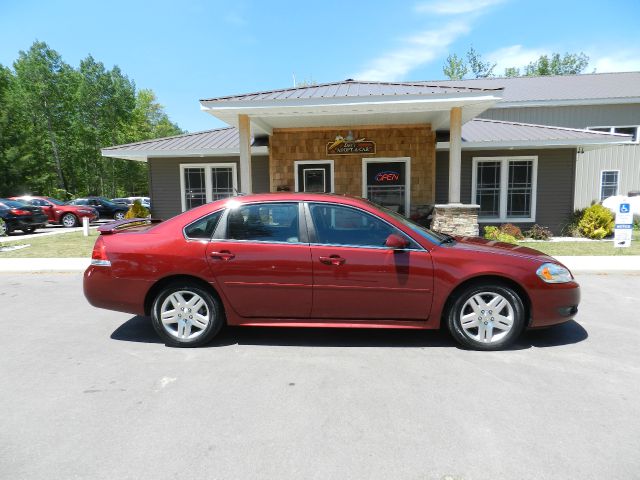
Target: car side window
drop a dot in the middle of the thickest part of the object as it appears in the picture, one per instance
(203, 228)
(264, 222)
(79, 202)
(339, 225)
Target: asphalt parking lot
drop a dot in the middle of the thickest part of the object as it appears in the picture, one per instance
(88, 393)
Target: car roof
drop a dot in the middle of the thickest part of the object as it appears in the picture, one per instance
(298, 197)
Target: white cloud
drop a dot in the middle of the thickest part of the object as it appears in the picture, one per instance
(417, 50)
(514, 56)
(453, 7)
(620, 62)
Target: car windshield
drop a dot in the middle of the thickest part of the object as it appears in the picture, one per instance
(54, 201)
(106, 202)
(424, 232)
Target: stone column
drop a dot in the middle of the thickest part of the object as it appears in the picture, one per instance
(456, 219)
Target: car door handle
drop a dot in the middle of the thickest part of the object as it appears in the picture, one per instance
(332, 260)
(223, 255)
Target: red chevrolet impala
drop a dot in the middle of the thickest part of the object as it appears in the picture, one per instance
(310, 260)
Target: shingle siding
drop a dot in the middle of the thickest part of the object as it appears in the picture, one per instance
(164, 180)
(556, 174)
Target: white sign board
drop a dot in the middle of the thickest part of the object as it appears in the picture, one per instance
(624, 225)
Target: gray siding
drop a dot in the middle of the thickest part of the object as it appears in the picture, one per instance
(570, 116)
(164, 180)
(556, 176)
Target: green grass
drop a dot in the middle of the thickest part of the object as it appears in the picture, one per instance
(585, 248)
(63, 245)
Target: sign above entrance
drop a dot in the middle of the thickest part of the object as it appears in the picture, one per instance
(350, 146)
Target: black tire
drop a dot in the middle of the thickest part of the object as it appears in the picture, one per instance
(217, 319)
(69, 223)
(464, 336)
(29, 230)
(119, 215)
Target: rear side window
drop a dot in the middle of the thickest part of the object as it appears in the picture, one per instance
(264, 222)
(203, 228)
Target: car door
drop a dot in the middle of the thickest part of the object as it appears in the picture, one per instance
(355, 276)
(260, 259)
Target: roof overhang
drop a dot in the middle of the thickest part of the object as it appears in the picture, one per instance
(144, 155)
(265, 115)
(537, 144)
(568, 103)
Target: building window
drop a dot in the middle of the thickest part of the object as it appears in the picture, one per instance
(609, 183)
(626, 130)
(204, 183)
(505, 188)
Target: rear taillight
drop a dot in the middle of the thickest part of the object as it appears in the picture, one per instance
(18, 211)
(99, 255)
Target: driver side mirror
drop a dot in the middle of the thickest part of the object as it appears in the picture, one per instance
(396, 242)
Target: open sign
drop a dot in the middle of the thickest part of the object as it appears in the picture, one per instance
(387, 176)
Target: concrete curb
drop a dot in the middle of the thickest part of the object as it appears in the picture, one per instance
(44, 264)
(583, 264)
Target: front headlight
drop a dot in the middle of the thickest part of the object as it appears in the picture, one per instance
(554, 273)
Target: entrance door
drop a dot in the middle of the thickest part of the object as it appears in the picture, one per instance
(386, 182)
(314, 176)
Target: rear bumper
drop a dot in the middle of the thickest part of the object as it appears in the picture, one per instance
(103, 290)
(554, 304)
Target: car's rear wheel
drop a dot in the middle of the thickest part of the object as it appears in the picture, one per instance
(486, 317)
(187, 315)
(119, 216)
(69, 220)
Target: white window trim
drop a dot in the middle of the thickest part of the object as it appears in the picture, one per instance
(297, 163)
(637, 127)
(617, 182)
(407, 179)
(207, 179)
(504, 185)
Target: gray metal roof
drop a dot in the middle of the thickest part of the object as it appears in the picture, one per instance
(564, 87)
(353, 88)
(486, 130)
(218, 139)
(478, 130)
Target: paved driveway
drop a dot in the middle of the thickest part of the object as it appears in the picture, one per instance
(87, 393)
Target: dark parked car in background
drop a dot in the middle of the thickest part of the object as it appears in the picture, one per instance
(144, 201)
(105, 207)
(314, 260)
(58, 212)
(20, 216)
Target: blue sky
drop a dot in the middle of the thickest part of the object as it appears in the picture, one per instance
(196, 49)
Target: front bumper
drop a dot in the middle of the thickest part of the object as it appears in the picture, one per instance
(554, 304)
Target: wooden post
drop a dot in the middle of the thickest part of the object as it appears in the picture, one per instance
(244, 127)
(455, 154)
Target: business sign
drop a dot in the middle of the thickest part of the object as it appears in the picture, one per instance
(350, 146)
(624, 225)
(387, 177)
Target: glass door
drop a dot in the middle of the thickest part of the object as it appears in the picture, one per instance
(314, 176)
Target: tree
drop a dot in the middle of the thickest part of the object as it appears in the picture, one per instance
(479, 68)
(567, 64)
(455, 67)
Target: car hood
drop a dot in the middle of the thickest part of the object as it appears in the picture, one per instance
(482, 245)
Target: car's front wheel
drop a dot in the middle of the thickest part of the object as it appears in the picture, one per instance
(119, 216)
(69, 220)
(486, 317)
(187, 315)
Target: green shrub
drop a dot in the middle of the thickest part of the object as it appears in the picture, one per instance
(538, 232)
(511, 229)
(571, 228)
(597, 222)
(494, 233)
(137, 211)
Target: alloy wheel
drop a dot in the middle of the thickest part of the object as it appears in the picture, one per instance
(119, 216)
(69, 220)
(487, 317)
(185, 315)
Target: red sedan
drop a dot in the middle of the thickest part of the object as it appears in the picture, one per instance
(58, 212)
(310, 260)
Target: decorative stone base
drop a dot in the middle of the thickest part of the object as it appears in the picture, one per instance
(456, 219)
